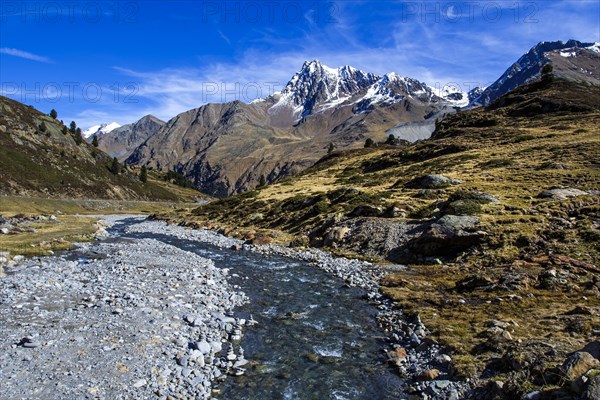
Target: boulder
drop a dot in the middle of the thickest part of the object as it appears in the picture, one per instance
(448, 236)
(592, 390)
(562, 193)
(335, 235)
(578, 364)
(431, 182)
(366, 210)
(593, 348)
(397, 356)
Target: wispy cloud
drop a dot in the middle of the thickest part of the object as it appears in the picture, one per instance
(24, 54)
(225, 38)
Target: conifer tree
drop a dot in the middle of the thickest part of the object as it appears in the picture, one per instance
(53, 113)
(115, 167)
(144, 174)
(95, 141)
(78, 136)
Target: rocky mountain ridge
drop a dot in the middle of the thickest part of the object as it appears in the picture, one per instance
(122, 141)
(572, 60)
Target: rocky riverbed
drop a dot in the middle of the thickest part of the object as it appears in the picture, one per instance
(136, 317)
(422, 361)
(114, 320)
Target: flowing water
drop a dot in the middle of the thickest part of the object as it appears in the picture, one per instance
(315, 338)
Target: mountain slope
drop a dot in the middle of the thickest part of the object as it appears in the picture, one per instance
(499, 252)
(226, 148)
(122, 141)
(36, 158)
(582, 63)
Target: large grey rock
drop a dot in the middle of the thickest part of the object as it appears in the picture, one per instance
(367, 210)
(592, 391)
(562, 194)
(431, 182)
(578, 364)
(448, 236)
(459, 221)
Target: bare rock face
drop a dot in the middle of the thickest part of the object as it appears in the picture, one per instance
(402, 241)
(121, 142)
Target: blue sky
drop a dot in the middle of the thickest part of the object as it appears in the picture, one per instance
(103, 61)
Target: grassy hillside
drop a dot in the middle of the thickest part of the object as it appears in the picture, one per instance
(38, 159)
(500, 270)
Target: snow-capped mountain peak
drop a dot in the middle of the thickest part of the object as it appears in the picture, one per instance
(100, 130)
(317, 84)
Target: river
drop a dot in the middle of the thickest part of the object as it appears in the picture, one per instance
(315, 338)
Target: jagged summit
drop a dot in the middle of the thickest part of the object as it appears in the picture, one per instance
(316, 83)
(528, 68)
(317, 87)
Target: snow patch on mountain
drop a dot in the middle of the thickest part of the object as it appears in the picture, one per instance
(100, 130)
(453, 95)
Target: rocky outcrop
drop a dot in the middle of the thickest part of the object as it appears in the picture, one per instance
(431, 182)
(404, 241)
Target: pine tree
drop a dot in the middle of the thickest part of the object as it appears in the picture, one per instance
(73, 127)
(53, 113)
(43, 126)
(115, 167)
(95, 141)
(369, 143)
(144, 174)
(262, 182)
(65, 130)
(391, 140)
(78, 137)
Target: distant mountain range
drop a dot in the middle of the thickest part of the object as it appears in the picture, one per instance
(226, 148)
